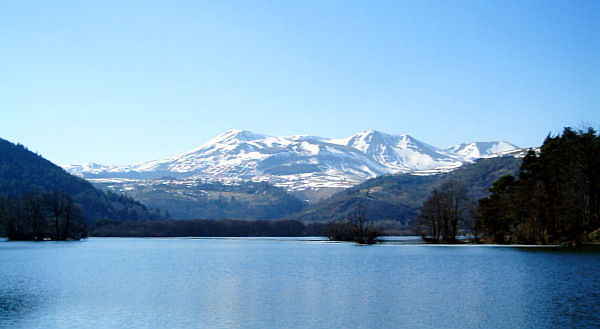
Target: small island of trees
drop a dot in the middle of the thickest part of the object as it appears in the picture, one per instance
(355, 228)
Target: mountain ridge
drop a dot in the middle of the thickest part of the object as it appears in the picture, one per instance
(299, 162)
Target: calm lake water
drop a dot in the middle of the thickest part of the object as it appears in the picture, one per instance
(294, 283)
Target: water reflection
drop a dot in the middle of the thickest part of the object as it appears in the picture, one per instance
(15, 304)
(19, 298)
(283, 283)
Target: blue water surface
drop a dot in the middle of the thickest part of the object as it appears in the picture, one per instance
(294, 283)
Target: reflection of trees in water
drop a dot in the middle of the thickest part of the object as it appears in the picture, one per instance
(15, 303)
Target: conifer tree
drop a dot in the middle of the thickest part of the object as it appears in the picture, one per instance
(556, 197)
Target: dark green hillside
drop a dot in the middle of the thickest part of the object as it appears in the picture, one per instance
(399, 198)
(188, 199)
(23, 171)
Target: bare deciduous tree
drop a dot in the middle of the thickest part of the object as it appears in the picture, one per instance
(442, 212)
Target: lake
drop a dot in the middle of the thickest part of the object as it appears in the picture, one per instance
(294, 283)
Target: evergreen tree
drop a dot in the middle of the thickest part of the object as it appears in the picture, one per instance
(495, 213)
(556, 197)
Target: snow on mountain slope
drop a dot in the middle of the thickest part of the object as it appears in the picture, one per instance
(478, 150)
(298, 162)
(86, 168)
(399, 153)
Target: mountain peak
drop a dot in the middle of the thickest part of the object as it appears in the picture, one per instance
(231, 137)
(369, 136)
(370, 132)
(378, 136)
(242, 135)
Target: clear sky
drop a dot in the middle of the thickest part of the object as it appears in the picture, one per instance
(118, 82)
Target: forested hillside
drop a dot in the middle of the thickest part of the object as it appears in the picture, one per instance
(22, 171)
(400, 197)
(190, 199)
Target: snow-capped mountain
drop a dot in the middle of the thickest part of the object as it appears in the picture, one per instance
(298, 162)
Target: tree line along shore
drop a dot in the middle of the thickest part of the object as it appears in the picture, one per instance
(554, 198)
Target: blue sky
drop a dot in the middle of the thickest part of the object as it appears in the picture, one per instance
(117, 82)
